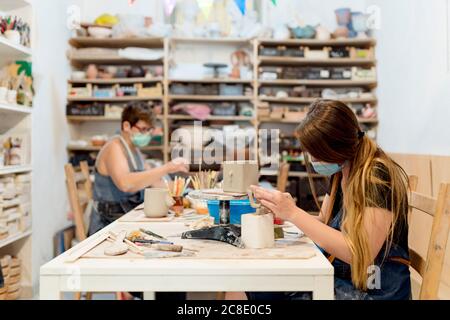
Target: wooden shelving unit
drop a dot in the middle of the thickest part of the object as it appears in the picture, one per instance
(209, 98)
(316, 62)
(256, 83)
(282, 61)
(117, 80)
(114, 99)
(15, 119)
(81, 62)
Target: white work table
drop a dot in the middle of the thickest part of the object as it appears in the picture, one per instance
(118, 274)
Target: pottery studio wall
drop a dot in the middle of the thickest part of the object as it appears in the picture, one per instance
(50, 132)
(414, 76)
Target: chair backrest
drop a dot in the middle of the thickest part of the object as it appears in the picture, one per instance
(79, 187)
(283, 175)
(439, 209)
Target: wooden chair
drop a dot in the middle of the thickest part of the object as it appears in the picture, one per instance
(283, 175)
(79, 187)
(439, 209)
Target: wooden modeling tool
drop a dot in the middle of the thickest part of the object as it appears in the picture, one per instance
(118, 247)
(89, 246)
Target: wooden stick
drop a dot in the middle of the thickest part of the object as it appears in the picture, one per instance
(89, 246)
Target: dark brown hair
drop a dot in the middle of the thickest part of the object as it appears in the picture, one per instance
(136, 111)
(331, 133)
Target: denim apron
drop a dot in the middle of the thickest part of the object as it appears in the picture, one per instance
(389, 277)
(107, 195)
(394, 277)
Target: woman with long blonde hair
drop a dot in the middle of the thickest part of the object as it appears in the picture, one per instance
(362, 226)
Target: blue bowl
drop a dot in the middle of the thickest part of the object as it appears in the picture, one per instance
(237, 209)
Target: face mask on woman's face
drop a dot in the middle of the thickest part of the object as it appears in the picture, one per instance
(141, 139)
(326, 169)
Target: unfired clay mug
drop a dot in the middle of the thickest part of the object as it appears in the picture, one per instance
(157, 202)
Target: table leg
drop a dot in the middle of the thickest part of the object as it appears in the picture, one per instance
(149, 295)
(49, 288)
(323, 288)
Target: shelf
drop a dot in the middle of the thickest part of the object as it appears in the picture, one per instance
(211, 80)
(314, 42)
(10, 51)
(7, 5)
(113, 99)
(6, 108)
(236, 41)
(97, 118)
(113, 60)
(117, 80)
(93, 148)
(14, 169)
(210, 98)
(363, 121)
(14, 238)
(211, 118)
(143, 42)
(310, 100)
(321, 62)
(327, 83)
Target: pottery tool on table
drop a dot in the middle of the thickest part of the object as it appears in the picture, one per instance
(118, 247)
(178, 186)
(89, 246)
(151, 233)
(205, 180)
(130, 244)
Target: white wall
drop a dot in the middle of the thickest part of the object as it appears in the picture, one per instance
(49, 128)
(414, 89)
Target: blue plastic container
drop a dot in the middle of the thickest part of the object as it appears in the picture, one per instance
(237, 209)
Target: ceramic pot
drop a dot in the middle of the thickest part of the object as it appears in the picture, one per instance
(13, 36)
(359, 23)
(307, 32)
(11, 96)
(343, 16)
(322, 33)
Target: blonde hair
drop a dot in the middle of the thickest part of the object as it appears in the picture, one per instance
(331, 133)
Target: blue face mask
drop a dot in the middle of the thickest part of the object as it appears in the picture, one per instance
(326, 169)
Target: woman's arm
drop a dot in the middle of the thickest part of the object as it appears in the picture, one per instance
(117, 168)
(376, 222)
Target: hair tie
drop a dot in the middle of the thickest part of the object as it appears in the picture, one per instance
(361, 134)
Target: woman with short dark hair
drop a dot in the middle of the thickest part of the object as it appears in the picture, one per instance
(120, 172)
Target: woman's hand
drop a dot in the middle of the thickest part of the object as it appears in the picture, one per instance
(177, 165)
(281, 204)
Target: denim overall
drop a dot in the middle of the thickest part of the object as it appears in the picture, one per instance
(106, 192)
